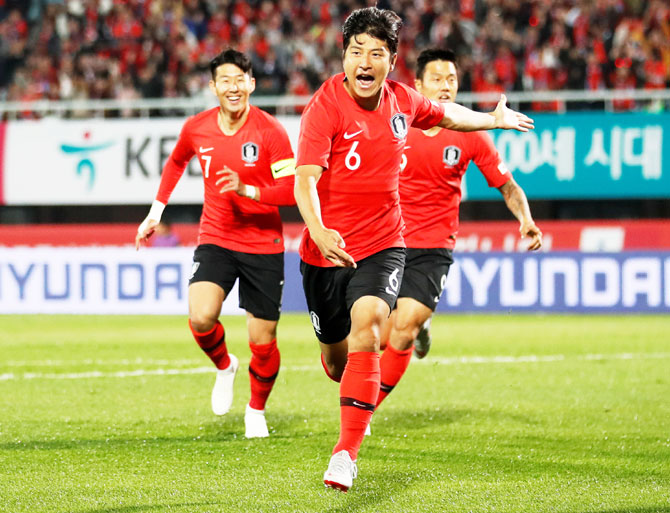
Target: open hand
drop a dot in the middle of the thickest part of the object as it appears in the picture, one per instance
(330, 243)
(510, 119)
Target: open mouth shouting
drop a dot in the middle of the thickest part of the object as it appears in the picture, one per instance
(365, 81)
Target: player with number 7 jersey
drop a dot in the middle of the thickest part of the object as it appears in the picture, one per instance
(248, 169)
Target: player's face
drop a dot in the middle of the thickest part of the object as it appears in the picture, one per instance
(367, 62)
(439, 81)
(232, 87)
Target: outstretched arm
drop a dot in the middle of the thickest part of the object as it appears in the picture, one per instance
(457, 117)
(329, 241)
(517, 203)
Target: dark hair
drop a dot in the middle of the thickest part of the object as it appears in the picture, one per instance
(382, 24)
(230, 56)
(430, 55)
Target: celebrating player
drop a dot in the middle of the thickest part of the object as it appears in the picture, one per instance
(248, 169)
(352, 136)
(430, 194)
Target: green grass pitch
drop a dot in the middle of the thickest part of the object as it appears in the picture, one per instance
(110, 414)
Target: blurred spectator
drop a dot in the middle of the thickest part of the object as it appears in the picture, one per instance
(87, 48)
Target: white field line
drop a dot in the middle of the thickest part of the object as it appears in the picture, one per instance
(462, 360)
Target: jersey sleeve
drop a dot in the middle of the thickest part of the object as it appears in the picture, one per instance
(317, 126)
(488, 161)
(427, 113)
(176, 164)
(282, 167)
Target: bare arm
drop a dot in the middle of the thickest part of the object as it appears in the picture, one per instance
(457, 117)
(517, 203)
(329, 242)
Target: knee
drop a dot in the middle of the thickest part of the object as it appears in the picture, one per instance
(201, 322)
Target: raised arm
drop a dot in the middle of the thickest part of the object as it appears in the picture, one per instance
(329, 241)
(517, 203)
(457, 117)
(172, 172)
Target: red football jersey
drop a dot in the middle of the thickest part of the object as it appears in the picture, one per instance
(430, 182)
(260, 152)
(360, 152)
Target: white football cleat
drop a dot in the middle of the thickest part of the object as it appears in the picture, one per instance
(341, 472)
(222, 393)
(254, 423)
(423, 340)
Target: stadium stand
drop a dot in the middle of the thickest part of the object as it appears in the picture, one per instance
(98, 49)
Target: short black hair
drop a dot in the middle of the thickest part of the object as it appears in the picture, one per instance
(382, 24)
(230, 56)
(430, 55)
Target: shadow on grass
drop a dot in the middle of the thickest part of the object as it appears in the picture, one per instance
(644, 509)
(149, 507)
(226, 430)
(411, 418)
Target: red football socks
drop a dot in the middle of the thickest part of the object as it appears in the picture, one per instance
(393, 364)
(358, 395)
(213, 343)
(263, 369)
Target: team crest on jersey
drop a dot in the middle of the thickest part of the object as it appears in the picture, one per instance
(452, 154)
(399, 125)
(250, 152)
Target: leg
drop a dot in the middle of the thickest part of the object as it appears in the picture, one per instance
(334, 359)
(263, 370)
(265, 359)
(360, 381)
(408, 318)
(204, 306)
(204, 301)
(358, 390)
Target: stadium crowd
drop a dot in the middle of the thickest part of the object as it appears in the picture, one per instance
(78, 49)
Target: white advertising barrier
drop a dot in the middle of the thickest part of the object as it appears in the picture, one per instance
(114, 161)
(98, 280)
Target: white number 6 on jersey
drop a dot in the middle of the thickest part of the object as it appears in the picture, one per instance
(353, 159)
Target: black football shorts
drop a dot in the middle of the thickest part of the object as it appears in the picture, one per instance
(261, 277)
(425, 275)
(332, 291)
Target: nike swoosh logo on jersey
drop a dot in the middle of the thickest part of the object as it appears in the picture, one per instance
(349, 136)
(204, 150)
(406, 147)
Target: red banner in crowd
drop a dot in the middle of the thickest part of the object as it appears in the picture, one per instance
(473, 236)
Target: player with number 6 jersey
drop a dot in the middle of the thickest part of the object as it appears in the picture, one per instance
(350, 146)
(248, 170)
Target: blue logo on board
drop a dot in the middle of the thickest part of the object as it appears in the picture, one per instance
(85, 166)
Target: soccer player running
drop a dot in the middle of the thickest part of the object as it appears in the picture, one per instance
(430, 194)
(352, 136)
(248, 169)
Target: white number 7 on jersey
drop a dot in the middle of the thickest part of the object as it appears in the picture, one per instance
(208, 161)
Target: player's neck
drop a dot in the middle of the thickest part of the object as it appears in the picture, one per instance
(371, 103)
(432, 132)
(231, 122)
